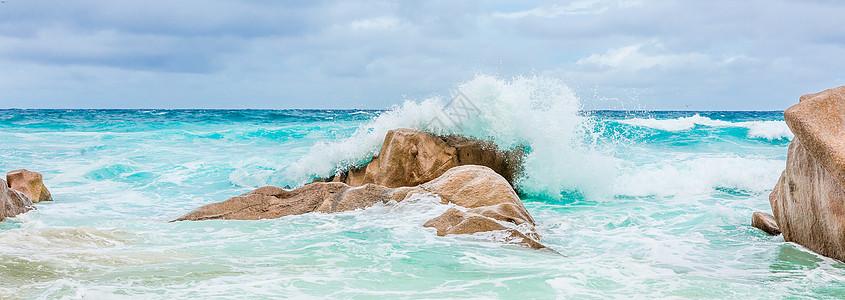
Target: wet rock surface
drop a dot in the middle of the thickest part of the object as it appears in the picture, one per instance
(30, 184)
(765, 222)
(12, 202)
(808, 202)
(409, 158)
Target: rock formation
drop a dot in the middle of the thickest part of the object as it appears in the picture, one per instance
(472, 174)
(808, 201)
(489, 201)
(30, 184)
(409, 158)
(20, 189)
(12, 202)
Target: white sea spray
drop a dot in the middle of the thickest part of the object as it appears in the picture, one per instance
(538, 112)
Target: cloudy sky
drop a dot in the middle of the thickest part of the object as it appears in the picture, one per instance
(616, 54)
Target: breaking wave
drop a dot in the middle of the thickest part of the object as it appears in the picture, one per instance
(539, 112)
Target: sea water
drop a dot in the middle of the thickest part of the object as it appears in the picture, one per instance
(643, 204)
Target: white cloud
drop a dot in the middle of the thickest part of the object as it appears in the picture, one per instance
(737, 59)
(380, 23)
(632, 58)
(580, 7)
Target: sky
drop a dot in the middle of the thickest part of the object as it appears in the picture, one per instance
(615, 54)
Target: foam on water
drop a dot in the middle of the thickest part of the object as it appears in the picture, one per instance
(770, 130)
(685, 175)
(540, 113)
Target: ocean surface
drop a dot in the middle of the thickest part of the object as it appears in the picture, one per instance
(639, 204)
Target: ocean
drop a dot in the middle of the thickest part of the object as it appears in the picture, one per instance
(642, 204)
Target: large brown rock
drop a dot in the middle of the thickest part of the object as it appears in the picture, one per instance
(409, 158)
(30, 184)
(809, 204)
(12, 202)
(808, 201)
(491, 204)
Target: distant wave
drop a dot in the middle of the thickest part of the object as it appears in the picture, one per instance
(699, 175)
(769, 130)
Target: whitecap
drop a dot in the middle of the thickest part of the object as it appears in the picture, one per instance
(770, 130)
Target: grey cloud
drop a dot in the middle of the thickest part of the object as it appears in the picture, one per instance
(170, 36)
(172, 18)
(714, 54)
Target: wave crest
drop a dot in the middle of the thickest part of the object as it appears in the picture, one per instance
(699, 175)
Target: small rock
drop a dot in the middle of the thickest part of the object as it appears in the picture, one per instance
(765, 222)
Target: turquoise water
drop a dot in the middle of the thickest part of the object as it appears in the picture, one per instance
(639, 204)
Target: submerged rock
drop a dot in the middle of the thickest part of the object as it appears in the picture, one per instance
(12, 202)
(808, 201)
(491, 204)
(30, 184)
(409, 158)
(765, 222)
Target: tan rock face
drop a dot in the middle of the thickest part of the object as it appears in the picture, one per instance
(409, 158)
(270, 202)
(808, 201)
(30, 184)
(475, 186)
(819, 121)
(809, 204)
(12, 202)
(490, 201)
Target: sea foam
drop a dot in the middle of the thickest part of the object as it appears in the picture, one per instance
(699, 175)
(769, 130)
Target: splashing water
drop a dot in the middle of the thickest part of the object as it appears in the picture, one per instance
(540, 113)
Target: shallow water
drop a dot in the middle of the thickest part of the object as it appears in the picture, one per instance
(669, 219)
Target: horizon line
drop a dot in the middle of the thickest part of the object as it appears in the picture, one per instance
(370, 109)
